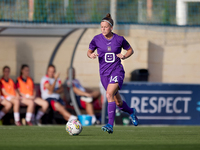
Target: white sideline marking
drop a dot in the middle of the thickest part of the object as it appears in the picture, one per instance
(159, 92)
(164, 117)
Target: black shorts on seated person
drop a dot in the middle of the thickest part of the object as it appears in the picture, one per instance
(52, 101)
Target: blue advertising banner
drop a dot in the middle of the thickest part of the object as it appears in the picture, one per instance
(159, 103)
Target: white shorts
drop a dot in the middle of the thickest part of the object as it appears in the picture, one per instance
(7, 98)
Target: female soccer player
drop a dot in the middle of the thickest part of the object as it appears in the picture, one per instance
(51, 88)
(108, 45)
(9, 94)
(25, 87)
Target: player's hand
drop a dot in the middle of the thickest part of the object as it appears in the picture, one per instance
(121, 56)
(88, 95)
(93, 56)
(56, 76)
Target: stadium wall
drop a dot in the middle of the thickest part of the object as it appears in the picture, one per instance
(171, 54)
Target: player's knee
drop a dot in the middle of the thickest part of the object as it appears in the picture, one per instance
(109, 95)
(16, 102)
(8, 107)
(58, 106)
(45, 105)
(31, 103)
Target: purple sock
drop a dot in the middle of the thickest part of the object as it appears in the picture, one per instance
(126, 108)
(111, 112)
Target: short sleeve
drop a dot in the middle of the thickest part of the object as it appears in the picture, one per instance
(92, 45)
(33, 85)
(1, 86)
(59, 82)
(45, 82)
(125, 44)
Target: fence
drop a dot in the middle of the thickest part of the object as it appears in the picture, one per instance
(162, 12)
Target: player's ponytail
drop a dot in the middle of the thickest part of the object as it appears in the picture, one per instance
(108, 19)
(108, 15)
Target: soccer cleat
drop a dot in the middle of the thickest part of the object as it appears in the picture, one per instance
(29, 123)
(18, 123)
(107, 128)
(134, 118)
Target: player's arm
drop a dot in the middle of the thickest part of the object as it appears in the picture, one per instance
(17, 93)
(91, 54)
(51, 87)
(17, 90)
(60, 89)
(81, 93)
(5, 93)
(33, 96)
(129, 52)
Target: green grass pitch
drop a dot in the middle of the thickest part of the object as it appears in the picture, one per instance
(92, 138)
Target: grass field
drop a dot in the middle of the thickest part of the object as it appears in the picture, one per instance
(92, 138)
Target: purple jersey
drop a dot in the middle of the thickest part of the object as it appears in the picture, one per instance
(107, 50)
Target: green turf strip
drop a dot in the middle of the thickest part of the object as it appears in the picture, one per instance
(92, 138)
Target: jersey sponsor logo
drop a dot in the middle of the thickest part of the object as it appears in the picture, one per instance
(114, 79)
(109, 57)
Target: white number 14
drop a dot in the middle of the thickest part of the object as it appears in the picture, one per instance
(113, 79)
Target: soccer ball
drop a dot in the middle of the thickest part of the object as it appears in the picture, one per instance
(73, 127)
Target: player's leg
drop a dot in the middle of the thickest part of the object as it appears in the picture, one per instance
(95, 93)
(122, 104)
(111, 90)
(7, 106)
(124, 107)
(16, 105)
(44, 106)
(61, 109)
(30, 109)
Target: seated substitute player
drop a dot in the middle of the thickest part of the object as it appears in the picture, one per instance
(9, 92)
(6, 106)
(51, 88)
(25, 86)
(84, 95)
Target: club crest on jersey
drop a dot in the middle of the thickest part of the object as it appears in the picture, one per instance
(109, 48)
